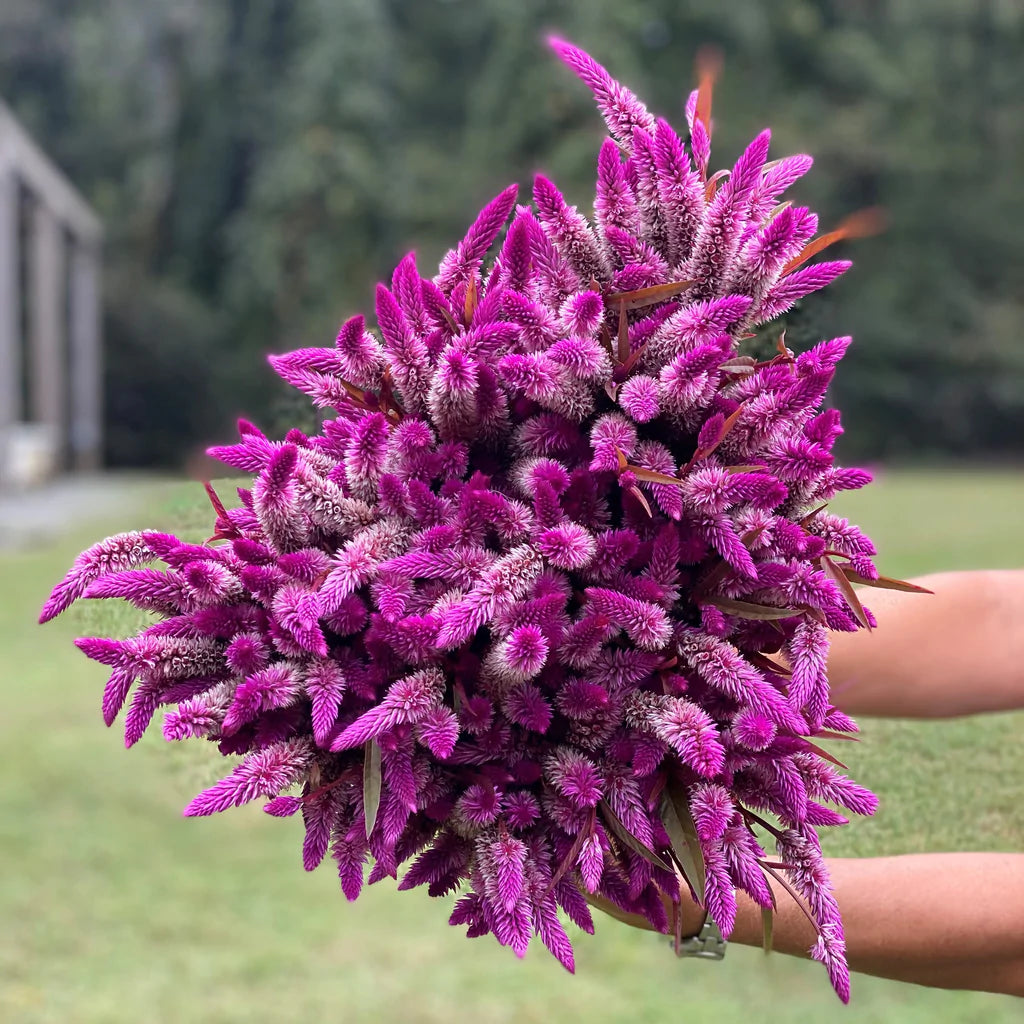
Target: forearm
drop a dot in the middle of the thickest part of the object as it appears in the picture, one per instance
(957, 651)
(947, 920)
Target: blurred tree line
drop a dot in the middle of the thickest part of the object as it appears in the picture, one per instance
(260, 163)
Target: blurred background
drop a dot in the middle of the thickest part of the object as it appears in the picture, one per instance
(257, 165)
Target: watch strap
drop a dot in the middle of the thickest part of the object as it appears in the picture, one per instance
(707, 944)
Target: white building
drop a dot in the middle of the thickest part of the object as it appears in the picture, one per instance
(50, 320)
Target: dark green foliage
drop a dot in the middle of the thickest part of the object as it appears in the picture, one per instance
(260, 164)
(162, 384)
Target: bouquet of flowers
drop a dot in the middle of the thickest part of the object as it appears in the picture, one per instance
(543, 610)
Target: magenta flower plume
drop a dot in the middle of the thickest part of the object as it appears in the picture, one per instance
(550, 590)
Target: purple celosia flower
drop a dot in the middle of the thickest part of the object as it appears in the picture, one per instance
(512, 612)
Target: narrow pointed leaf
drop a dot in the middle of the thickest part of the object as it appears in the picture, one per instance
(810, 515)
(712, 186)
(749, 610)
(778, 865)
(634, 357)
(623, 352)
(825, 734)
(815, 613)
(815, 749)
(652, 476)
(448, 319)
(648, 296)
(471, 301)
(730, 422)
(763, 662)
(739, 362)
(884, 582)
(750, 536)
(682, 832)
(629, 839)
(709, 66)
(613, 910)
(358, 395)
(792, 892)
(388, 401)
(218, 505)
(644, 503)
(837, 575)
(371, 784)
(862, 224)
(767, 923)
(569, 861)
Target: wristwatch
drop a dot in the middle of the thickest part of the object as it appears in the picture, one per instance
(707, 944)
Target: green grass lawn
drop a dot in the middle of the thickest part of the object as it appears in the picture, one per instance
(116, 909)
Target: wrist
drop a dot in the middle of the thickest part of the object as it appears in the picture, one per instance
(692, 915)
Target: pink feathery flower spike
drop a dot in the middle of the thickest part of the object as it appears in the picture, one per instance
(552, 586)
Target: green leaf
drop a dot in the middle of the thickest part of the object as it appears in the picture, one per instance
(629, 839)
(749, 610)
(767, 923)
(371, 784)
(682, 833)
